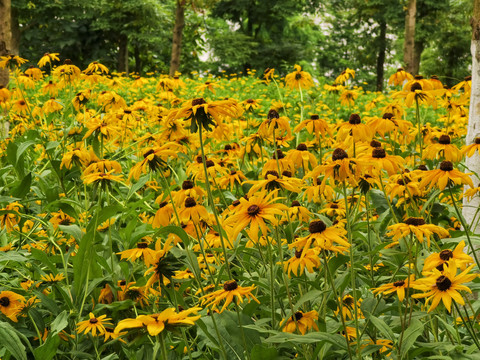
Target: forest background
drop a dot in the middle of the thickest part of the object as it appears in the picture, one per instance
(373, 37)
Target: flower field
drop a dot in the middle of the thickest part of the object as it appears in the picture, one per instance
(242, 217)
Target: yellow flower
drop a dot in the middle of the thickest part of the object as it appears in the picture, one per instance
(444, 149)
(398, 286)
(142, 250)
(444, 286)
(300, 321)
(11, 61)
(47, 58)
(445, 175)
(300, 261)
(417, 227)
(229, 291)
(299, 79)
(156, 323)
(437, 260)
(345, 75)
(102, 178)
(399, 77)
(93, 325)
(254, 212)
(11, 304)
(95, 67)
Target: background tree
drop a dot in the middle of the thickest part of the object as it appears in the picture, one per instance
(5, 36)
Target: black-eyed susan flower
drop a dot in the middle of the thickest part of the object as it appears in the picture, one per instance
(416, 226)
(348, 307)
(444, 286)
(445, 175)
(140, 251)
(154, 159)
(379, 160)
(399, 77)
(416, 92)
(96, 67)
(301, 260)
(300, 321)
(399, 286)
(354, 128)
(299, 79)
(103, 179)
(469, 150)
(345, 75)
(47, 58)
(322, 237)
(436, 260)
(231, 290)
(11, 304)
(297, 212)
(314, 125)
(10, 220)
(202, 113)
(193, 211)
(273, 181)
(255, 212)
(11, 61)
(444, 149)
(156, 323)
(93, 325)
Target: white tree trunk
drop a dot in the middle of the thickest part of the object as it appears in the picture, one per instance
(472, 163)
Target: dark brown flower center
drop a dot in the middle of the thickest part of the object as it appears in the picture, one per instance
(273, 114)
(339, 154)
(149, 152)
(418, 77)
(187, 184)
(295, 203)
(302, 147)
(236, 202)
(314, 117)
(416, 86)
(297, 316)
(468, 78)
(375, 144)
(334, 206)
(233, 172)
(348, 301)
(93, 321)
(446, 166)
(209, 163)
(287, 173)
(250, 101)
(422, 167)
(4, 301)
(253, 210)
(230, 285)
(227, 147)
(298, 253)
(444, 139)
(198, 101)
(142, 245)
(379, 153)
(443, 283)
(163, 204)
(477, 141)
(190, 202)
(446, 254)
(298, 76)
(354, 119)
(415, 221)
(399, 283)
(387, 116)
(279, 155)
(317, 226)
(271, 172)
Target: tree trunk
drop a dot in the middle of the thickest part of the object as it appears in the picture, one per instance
(382, 48)
(5, 36)
(417, 55)
(177, 36)
(122, 65)
(473, 163)
(409, 45)
(15, 45)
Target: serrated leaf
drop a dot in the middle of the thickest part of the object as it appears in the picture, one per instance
(410, 336)
(382, 327)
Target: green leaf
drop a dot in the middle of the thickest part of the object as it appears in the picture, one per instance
(44, 259)
(48, 349)
(171, 229)
(10, 340)
(60, 323)
(23, 146)
(309, 296)
(410, 336)
(23, 188)
(262, 352)
(13, 256)
(382, 327)
(335, 339)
